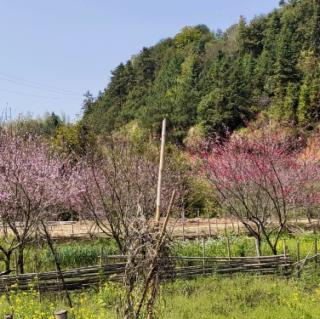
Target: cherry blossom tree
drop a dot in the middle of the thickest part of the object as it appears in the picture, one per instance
(111, 184)
(260, 180)
(116, 187)
(32, 186)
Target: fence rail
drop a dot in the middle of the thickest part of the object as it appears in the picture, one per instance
(182, 228)
(185, 267)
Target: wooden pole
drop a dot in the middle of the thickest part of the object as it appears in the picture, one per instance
(209, 223)
(233, 228)
(183, 216)
(101, 256)
(62, 314)
(316, 252)
(198, 230)
(298, 251)
(158, 201)
(228, 247)
(203, 255)
(284, 248)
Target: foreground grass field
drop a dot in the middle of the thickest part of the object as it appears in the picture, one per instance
(205, 298)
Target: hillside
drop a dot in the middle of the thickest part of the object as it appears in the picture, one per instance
(219, 80)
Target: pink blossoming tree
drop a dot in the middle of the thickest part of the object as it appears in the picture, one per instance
(32, 186)
(261, 180)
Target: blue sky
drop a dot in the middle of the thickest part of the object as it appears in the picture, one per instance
(53, 51)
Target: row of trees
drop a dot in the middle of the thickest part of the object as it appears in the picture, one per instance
(113, 185)
(263, 178)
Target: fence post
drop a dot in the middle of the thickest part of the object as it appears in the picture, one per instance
(203, 254)
(228, 247)
(238, 226)
(198, 215)
(316, 252)
(232, 223)
(284, 248)
(101, 256)
(210, 233)
(183, 216)
(62, 314)
(298, 250)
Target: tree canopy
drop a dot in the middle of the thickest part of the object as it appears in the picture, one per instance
(219, 80)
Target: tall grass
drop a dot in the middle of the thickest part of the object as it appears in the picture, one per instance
(83, 253)
(245, 246)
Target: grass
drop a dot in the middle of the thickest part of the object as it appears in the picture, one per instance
(245, 246)
(83, 253)
(71, 255)
(238, 297)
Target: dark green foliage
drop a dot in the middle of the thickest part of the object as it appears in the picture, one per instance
(219, 80)
(46, 126)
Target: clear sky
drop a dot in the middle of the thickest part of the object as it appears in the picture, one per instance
(53, 51)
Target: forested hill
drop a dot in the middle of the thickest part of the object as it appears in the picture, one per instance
(217, 80)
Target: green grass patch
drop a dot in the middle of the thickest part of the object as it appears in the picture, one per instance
(238, 297)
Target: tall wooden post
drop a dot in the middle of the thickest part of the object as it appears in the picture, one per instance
(163, 140)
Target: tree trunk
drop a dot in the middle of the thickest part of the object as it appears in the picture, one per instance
(56, 260)
(20, 262)
(258, 245)
(274, 248)
(8, 261)
(309, 215)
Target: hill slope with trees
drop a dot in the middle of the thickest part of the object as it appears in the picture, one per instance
(218, 80)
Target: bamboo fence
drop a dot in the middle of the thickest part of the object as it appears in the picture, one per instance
(185, 267)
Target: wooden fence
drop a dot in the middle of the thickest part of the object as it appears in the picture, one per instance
(182, 228)
(185, 267)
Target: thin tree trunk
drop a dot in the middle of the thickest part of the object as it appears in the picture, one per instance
(56, 260)
(258, 245)
(20, 262)
(7, 261)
